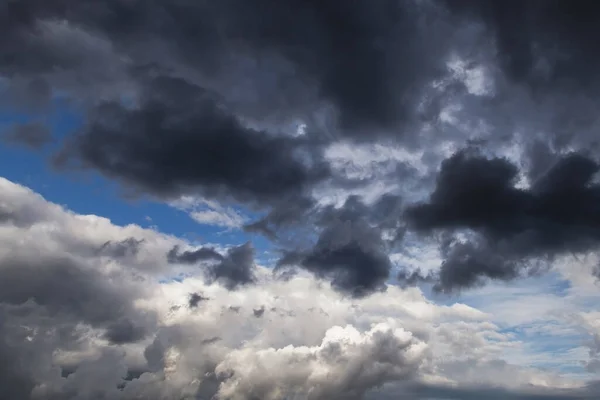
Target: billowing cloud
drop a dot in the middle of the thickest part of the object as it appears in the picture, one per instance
(233, 269)
(304, 47)
(352, 255)
(445, 144)
(208, 151)
(352, 250)
(556, 214)
(344, 365)
(251, 104)
(78, 324)
(544, 44)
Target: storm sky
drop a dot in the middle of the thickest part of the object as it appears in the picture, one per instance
(387, 199)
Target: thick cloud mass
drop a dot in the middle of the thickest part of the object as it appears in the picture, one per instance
(233, 269)
(82, 324)
(193, 256)
(351, 255)
(558, 213)
(544, 43)
(364, 61)
(179, 142)
(351, 250)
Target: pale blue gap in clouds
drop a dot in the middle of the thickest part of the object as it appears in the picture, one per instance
(531, 311)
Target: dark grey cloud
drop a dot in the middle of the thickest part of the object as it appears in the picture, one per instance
(24, 355)
(20, 19)
(61, 287)
(193, 80)
(548, 45)
(180, 141)
(199, 78)
(15, 376)
(49, 48)
(34, 135)
(557, 214)
(124, 248)
(8, 216)
(350, 250)
(292, 225)
(233, 269)
(65, 289)
(236, 269)
(125, 330)
(367, 62)
(46, 303)
(195, 299)
(382, 215)
(183, 97)
(354, 54)
(468, 264)
(192, 257)
(269, 61)
(259, 312)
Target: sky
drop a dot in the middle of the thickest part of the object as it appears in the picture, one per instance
(299, 200)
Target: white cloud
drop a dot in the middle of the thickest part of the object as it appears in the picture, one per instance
(310, 342)
(209, 212)
(477, 79)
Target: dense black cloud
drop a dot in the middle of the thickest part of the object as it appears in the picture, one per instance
(556, 214)
(350, 250)
(195, 299)
(282, 216)
(233, 269)
(468, 264)
(192, 257)
(66, 290)
(356, 55)
(368, 62)
(180, 141)
(548, 45)
(236, 268)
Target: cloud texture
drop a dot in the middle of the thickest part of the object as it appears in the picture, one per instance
(79, 324)
(380, 149)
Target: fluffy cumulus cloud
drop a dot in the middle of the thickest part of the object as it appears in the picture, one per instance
(86, 313)
(399, 173)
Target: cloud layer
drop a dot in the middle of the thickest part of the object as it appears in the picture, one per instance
(79, 322)
(380, 149)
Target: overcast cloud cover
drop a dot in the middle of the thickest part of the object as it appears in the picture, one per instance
(418, 180)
